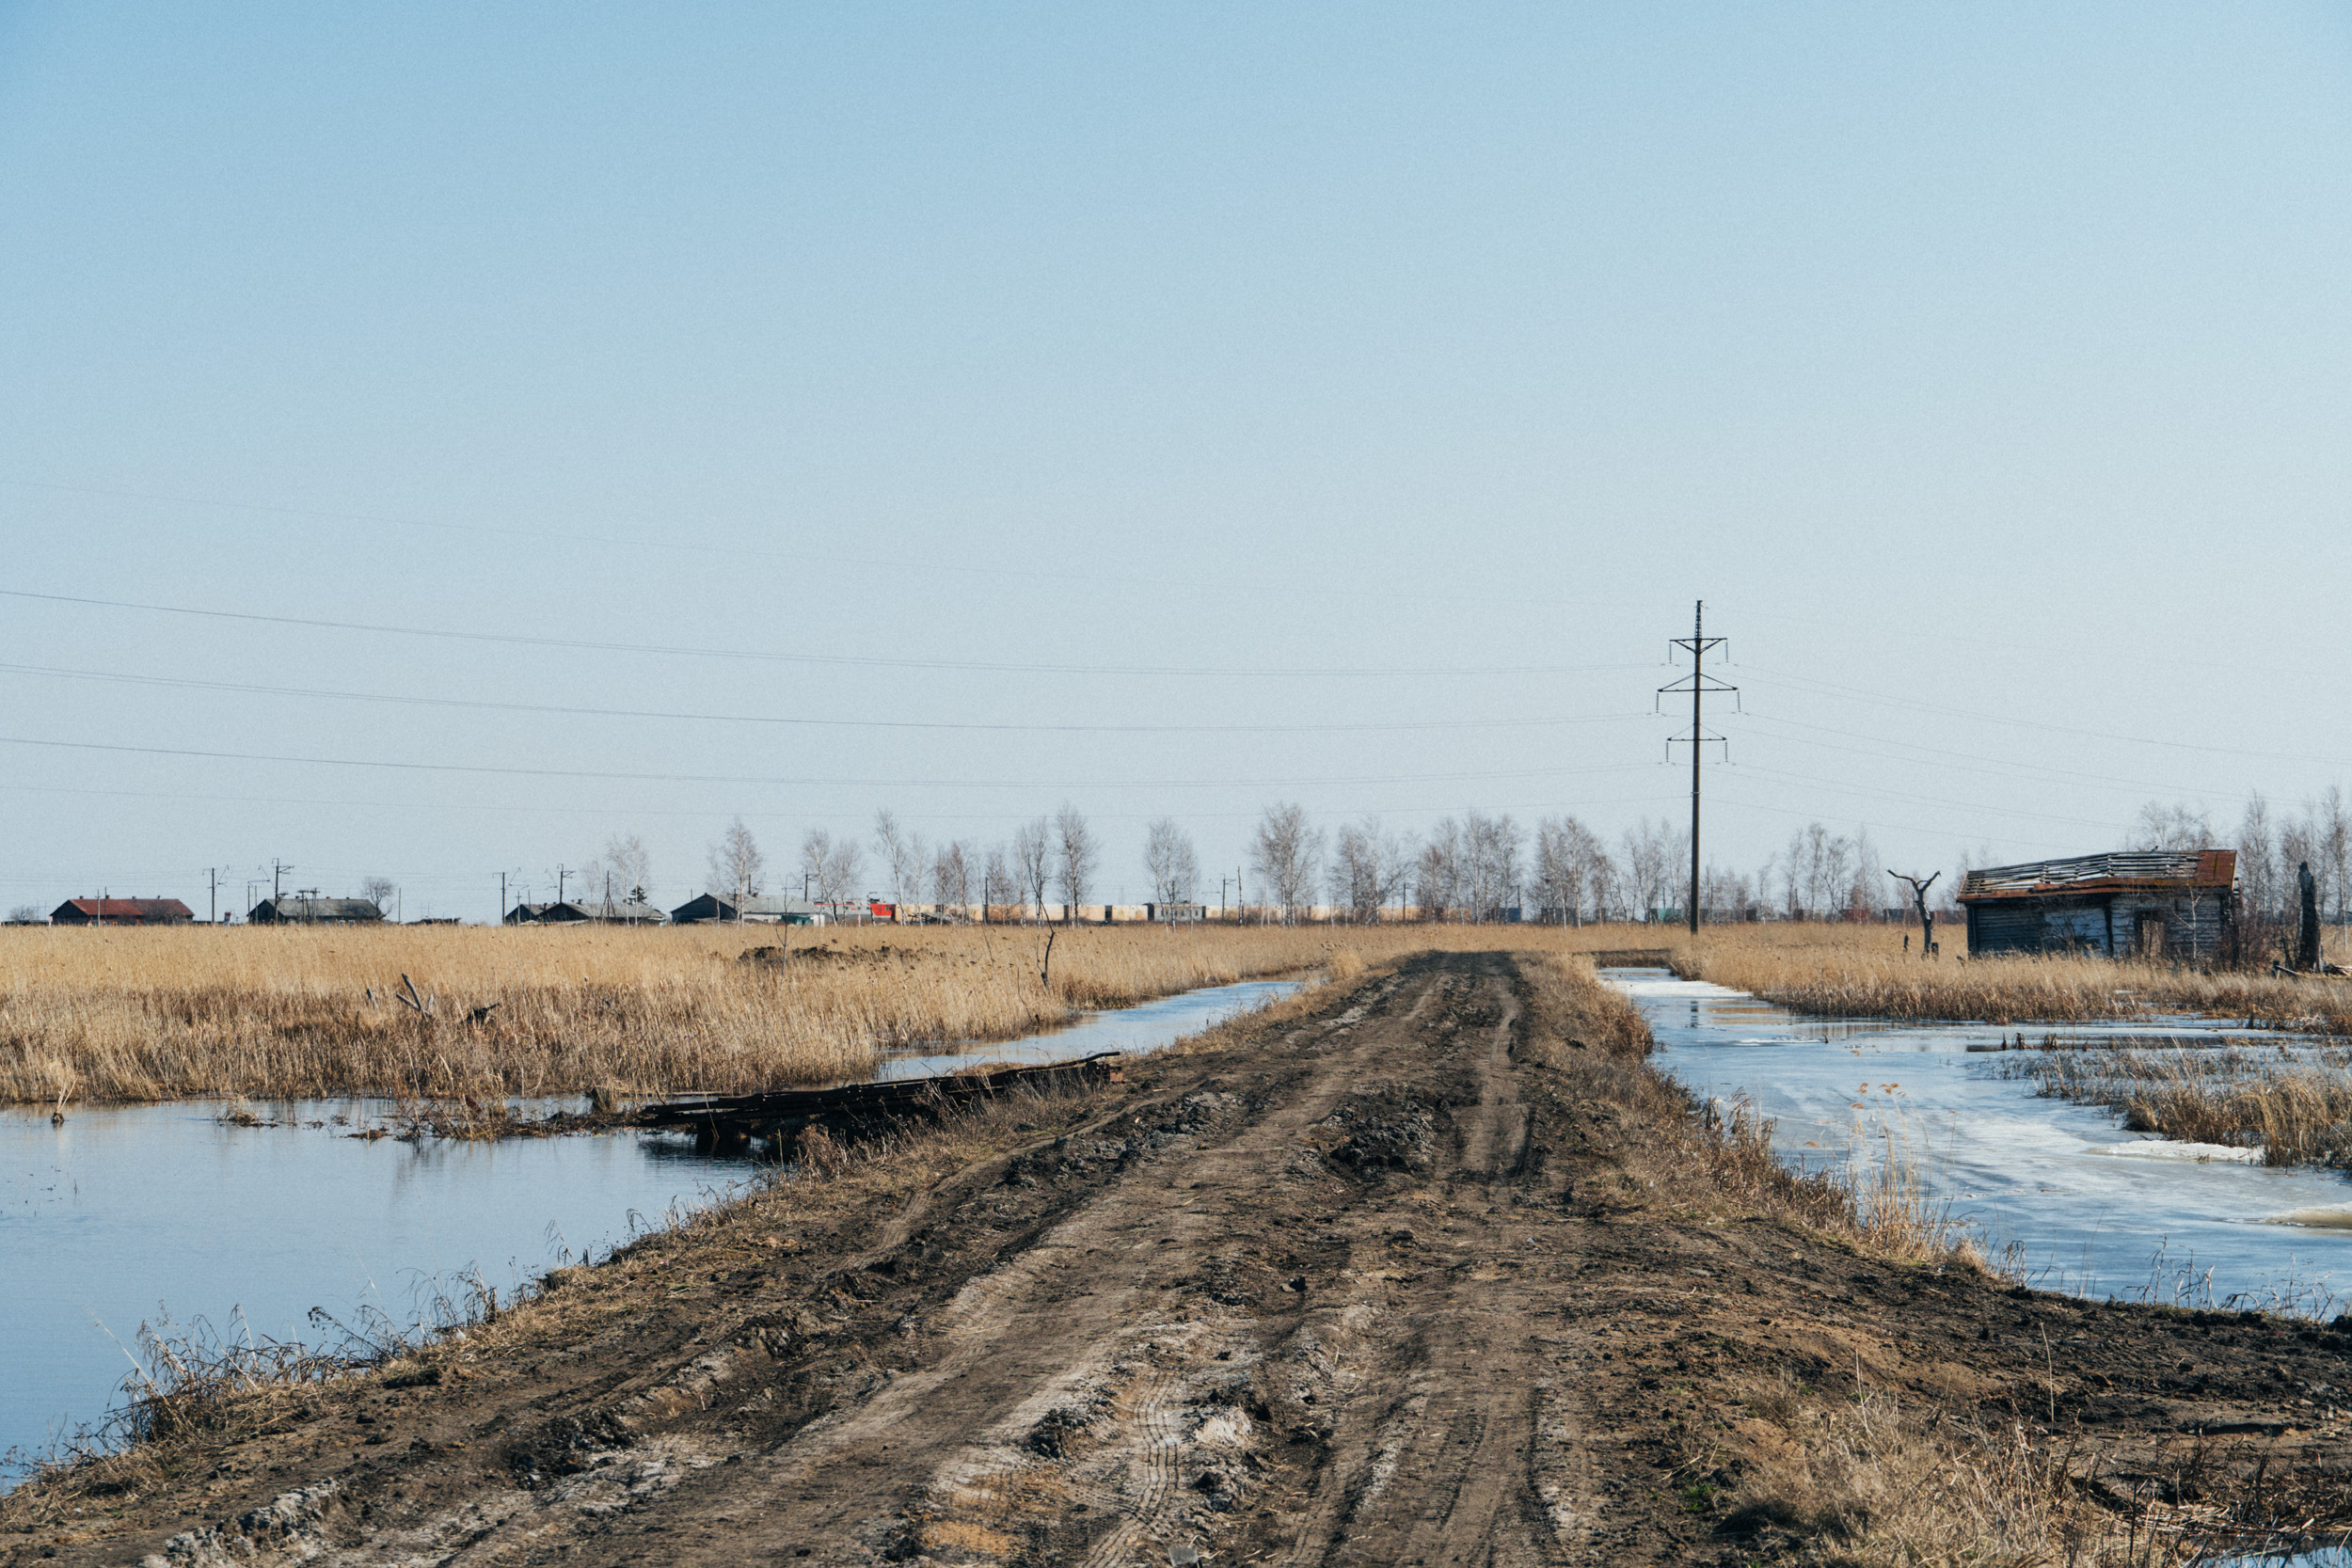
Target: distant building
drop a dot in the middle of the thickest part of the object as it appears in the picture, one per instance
(586, 911)
(2157, 904)
(309, 908)
(755, 910)
(122, 912)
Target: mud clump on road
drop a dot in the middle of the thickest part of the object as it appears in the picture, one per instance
(1425, 1267)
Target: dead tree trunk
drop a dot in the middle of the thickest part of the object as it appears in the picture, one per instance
(1927, 916)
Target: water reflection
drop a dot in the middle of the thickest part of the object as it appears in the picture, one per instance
(2040, 1178)
(120, 1213)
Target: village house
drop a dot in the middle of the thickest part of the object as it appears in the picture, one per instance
(2157, 904)
(579, 912)
(309, 908)
(122, 912)
(757, 909)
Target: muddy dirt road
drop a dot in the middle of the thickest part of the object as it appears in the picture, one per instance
(1370, 1285)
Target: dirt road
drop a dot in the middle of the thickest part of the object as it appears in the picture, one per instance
(1370, 1288)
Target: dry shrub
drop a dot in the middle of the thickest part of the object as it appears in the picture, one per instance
(1876, 1484)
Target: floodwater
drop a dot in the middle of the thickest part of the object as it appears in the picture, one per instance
(2076, 1201)
(125, 1215)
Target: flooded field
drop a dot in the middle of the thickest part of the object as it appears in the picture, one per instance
(125, 1215)
(2057, 1190)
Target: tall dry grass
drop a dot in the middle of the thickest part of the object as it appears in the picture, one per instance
(1879, 1203)
(132, 1014)
(2294, 1104)
(1863, 971)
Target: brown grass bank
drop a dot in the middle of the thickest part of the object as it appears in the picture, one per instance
(275, 1013)
(1863, 971)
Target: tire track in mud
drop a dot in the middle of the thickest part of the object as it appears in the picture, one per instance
(1183, 1359)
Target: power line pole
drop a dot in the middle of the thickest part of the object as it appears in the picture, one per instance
(1698, 684)
(276, 871)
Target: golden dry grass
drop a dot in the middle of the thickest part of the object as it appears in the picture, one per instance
(130, 1014)
(1863, 971)
(1881, 1204)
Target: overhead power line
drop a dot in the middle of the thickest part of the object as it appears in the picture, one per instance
(768, 655)
(565, 710)
(405, 766)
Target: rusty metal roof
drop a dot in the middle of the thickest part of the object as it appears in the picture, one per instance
(126, 910)
(2126, 871)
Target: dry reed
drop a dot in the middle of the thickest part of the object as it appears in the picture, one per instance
(1863, 971)
(2294, 1105)
(1877, 1203)
(132, 1014)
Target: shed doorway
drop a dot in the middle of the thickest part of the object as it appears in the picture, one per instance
(2148, 936)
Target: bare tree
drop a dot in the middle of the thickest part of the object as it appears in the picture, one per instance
(1570, 870)
(951, 876)
(1438, 874)
(1368, 868)
(1074, 857)
(2258, 860)
(1168, 857)
(904, 861)
(1287, 855)
(1033, 861)
(736, 863)
(626, 857)
(1927, 916)
(999, 888)
(1490, 864)
(2175, 827)
(24, 914)
(831, 870)
(379, 891)
(2332, 825)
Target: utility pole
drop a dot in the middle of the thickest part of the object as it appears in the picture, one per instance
(1698, 684)
(212, 910)
(562, 871)
(276, 871)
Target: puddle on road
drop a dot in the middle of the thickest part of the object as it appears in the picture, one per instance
(125, 1213)
(2089, 1207)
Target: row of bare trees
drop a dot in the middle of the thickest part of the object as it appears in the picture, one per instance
(1474, 867)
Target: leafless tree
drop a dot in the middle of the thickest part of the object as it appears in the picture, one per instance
(24, 914)
(1570, 870)
(2175, 827)
(2258, 877)
(2332, 829)
(951, 877)
(904, 859)
(1033, 861)
(625, 857)
(1647, 857)
(1724, 894)
(831, 870)
(1286, 855)
(1490, 864)
(1075, 858)
(1438, 874)
(379, 891)
(1168, 857)
(736, 863)
(999, 888)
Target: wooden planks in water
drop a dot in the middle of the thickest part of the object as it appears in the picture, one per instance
(789, 1110)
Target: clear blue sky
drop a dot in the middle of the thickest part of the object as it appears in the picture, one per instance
(1985, 368)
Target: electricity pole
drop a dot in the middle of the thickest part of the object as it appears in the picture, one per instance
(1698, 684)
(276, 871)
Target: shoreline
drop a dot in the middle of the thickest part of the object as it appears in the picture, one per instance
(1452, 1182)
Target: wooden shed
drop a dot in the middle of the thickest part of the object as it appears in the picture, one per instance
(2158, 903)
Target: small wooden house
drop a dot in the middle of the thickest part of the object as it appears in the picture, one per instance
(2157, 904)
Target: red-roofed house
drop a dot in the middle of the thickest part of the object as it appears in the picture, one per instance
(122, 912)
